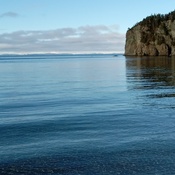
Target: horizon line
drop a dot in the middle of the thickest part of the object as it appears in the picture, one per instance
(36, 53)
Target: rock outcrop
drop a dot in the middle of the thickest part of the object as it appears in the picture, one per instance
(154, 36)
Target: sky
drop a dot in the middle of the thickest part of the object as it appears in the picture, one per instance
(72, 26)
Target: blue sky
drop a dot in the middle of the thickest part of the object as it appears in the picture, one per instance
(72, 26)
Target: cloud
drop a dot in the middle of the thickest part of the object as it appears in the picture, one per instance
(9, 15)
(85, 39)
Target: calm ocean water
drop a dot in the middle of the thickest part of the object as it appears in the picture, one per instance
(87, 115)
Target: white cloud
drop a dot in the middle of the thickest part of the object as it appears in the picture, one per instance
(9, 14)
(85, 39)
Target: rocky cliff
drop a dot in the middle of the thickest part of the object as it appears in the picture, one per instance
(153, 36)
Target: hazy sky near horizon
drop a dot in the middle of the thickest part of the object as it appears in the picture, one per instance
(72, 26)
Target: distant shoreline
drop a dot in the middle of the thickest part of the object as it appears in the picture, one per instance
(63, 54)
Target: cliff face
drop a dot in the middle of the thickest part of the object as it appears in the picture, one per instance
(153, 36)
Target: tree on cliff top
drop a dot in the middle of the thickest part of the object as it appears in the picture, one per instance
(154, 21)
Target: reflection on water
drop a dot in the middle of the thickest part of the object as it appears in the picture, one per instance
(153, 69)
(152, 78)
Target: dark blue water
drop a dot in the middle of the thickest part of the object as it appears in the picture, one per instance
(87, 115)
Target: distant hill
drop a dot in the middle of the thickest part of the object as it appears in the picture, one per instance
(154, 36)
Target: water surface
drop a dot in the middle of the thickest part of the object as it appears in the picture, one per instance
(87, 114)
